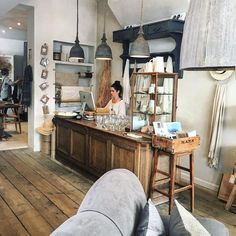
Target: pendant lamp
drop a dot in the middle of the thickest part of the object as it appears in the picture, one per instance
(209, 36)
(103, 51)
(76, 52)
(140, 48)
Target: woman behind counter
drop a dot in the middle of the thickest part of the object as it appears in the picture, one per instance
(116, 105)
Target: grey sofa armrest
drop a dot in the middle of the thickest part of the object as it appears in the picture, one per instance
(111, 207)
(86, 224)
(118, 196)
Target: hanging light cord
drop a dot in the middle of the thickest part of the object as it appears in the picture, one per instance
(104, 21)
(141, 13)
(77, 30)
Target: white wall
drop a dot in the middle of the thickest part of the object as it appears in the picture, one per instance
(195, 99)
(11, 47)
(30, 58)
(55, 21)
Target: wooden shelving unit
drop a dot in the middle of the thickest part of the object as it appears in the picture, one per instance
(164, 102)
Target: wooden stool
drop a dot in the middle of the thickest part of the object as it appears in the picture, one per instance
(174, 155)
(231, 198)
(14, 118)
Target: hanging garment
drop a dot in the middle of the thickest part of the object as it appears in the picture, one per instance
(126, 84)
(27, 86)
(15, 94)
(166, 101)
(217, 125)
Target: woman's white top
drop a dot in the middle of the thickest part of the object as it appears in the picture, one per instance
(117, 108)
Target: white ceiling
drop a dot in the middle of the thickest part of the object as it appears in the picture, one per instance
(128, 12)
(10, 19)
(7, 5)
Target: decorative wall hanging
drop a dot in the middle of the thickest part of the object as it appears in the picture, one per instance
(44, 99)
(221, 74)
(44, 49)
(44, 61)
(43, 86)
(44, 74)
(217, 119)
(45, 109)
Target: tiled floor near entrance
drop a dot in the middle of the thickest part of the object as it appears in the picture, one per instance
(16, 140)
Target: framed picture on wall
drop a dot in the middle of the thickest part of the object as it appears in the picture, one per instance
(44, 74)
(44, 61)
(44, 49)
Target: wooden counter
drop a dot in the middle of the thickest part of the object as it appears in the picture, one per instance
(81, 144)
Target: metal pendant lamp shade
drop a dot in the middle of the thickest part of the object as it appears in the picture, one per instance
(209, 37)
(76, 52)
(103, 51)
(140, 48)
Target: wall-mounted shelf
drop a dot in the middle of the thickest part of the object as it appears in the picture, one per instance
(163, 29)
(72, 63)
(78, 75)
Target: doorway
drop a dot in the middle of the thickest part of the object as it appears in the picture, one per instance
(13, 42)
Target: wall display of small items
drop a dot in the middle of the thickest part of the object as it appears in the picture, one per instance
(44, 75)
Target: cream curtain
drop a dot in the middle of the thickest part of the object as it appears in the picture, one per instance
(217, 125)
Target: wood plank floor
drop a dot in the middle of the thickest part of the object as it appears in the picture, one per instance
(37, 195)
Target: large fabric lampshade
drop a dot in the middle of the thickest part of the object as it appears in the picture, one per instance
(209, 37)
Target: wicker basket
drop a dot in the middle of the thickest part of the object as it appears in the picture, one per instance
(175, 145)
(46, 144)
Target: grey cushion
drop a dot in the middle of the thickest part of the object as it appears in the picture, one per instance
(214, 227)
(150, 222)
(184, 223)
(119, 196)
(166, 222)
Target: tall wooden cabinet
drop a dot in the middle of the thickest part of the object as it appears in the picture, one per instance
(154, 98)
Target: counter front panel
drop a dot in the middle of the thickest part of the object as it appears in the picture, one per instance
(82, 145)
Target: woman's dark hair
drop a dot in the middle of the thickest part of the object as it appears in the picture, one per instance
(117, 86)
(5, 71)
